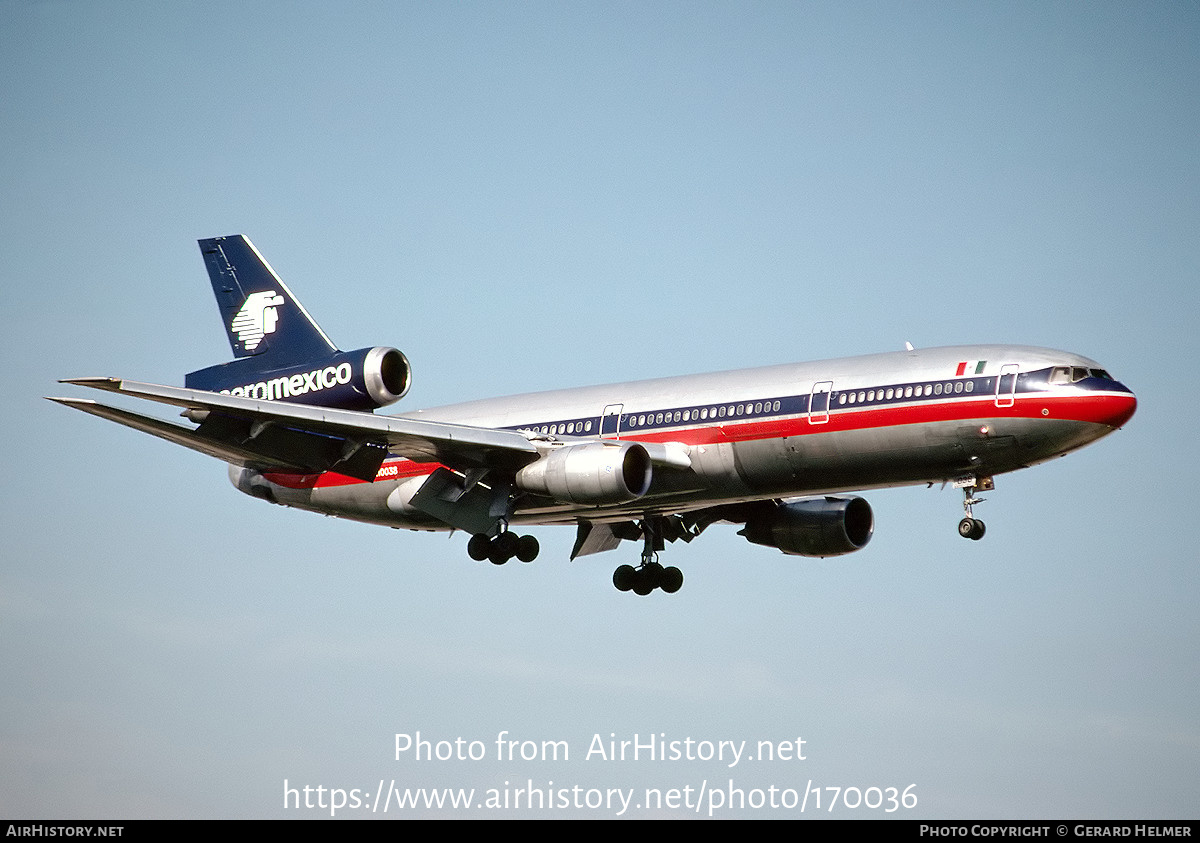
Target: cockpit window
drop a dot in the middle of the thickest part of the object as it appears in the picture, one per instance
(1074, 374)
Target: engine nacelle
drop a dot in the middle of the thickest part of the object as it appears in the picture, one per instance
(386, 374)
(590, 473)
(818, 527)
(365, 379)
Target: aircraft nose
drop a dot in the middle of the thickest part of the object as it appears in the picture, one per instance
(1120, 409)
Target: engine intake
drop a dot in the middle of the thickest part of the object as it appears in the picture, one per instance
(819, 527)
(590, 473)
(387, 375)
(365, 379)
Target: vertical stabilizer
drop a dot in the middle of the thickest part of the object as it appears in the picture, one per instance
(280, 353)
(261, 316)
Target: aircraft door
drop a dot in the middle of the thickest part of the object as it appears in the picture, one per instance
(1006, 385)
(610, 421)
(818, 402)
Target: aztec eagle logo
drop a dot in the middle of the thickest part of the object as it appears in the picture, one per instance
(257, 318)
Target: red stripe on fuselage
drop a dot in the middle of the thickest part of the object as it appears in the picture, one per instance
(1111, 409)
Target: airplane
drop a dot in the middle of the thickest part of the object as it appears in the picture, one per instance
(778, 449)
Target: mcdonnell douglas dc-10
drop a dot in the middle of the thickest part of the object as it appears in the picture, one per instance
(774, 449)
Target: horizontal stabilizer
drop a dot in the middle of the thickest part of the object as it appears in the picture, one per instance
(269, 429)
(178, 434)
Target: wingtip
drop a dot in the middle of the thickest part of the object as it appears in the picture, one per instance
(110, 384)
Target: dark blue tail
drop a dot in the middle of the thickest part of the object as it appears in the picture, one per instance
(281, 353)
(260, 314)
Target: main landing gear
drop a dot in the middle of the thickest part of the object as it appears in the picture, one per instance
(649, 575)
(971, 527)
(503, 546)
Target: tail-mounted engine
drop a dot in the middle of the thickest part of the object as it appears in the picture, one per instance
(365, 379)
(590, 473)
(818, 527)
(386, 375)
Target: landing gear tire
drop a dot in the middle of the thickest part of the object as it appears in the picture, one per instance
(672, 580)
(650, 575)
(527, 548)
(624, 577)
(642, 584)
(479, 547)
(506, 544)
(645, 579)
(499, 549)
(653, 572)
(971, 528)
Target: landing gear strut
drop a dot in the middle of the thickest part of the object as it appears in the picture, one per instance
(503, 546)
(649, 575)
(971, 527)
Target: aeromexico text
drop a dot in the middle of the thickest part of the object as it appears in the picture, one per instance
(287, 387)
(639, 748)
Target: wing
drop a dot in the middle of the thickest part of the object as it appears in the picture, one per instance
(274, 435)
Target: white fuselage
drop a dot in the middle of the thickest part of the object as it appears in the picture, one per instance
(780, 431)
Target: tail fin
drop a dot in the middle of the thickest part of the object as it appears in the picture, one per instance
(280, 352)
(261, 316)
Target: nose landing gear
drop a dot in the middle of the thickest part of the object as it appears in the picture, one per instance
(971, 527)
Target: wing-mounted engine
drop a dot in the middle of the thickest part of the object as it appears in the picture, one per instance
(590, 473)
(365, 379)
(819, 527)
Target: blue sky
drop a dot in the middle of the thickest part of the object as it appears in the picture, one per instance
(528, 196)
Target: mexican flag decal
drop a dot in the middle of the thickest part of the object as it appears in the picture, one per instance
(970, 367)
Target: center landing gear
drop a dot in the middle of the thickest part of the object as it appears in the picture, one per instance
(971, 527)
(650, 574)
(503, 546)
